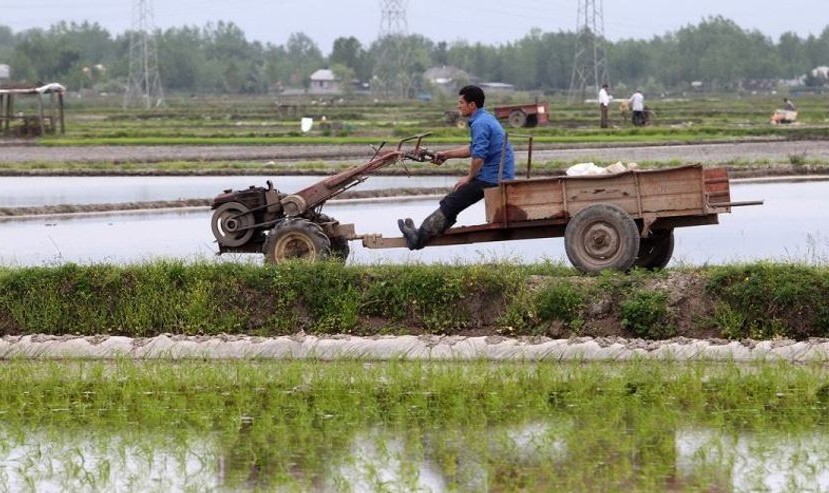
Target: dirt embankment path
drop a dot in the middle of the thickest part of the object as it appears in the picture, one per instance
(708, 153)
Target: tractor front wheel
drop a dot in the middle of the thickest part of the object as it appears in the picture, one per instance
(295, 238)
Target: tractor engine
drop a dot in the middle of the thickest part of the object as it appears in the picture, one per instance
(241, 217)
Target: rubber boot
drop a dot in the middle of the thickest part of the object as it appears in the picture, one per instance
(409, 231)
(435, 224)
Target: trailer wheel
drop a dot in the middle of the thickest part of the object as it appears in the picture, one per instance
(462, 123)
(601, 236)
(231, 224)
(517, 119)
(295, 238)
(656, 250)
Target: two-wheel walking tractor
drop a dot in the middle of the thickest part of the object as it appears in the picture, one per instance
(609, 221)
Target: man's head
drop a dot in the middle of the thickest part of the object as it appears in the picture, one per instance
(604, 86)
(470, 99)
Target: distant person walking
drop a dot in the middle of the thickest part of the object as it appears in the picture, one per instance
(604, 102)
(637, 105)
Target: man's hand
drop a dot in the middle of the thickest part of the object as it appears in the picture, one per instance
(463, 181)
(440, 158)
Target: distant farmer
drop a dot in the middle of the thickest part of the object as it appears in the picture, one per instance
(788, 105)
(637, 105)
(604, 102)
(488, 147)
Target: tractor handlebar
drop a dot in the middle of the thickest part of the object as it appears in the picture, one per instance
(420, 154)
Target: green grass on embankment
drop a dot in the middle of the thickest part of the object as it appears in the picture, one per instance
(757, 301)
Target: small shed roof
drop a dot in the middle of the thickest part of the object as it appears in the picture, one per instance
(323, 74)
(53, 87)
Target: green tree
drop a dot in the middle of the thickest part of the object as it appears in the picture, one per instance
(305, 57)
(401, 61)
(349, 52)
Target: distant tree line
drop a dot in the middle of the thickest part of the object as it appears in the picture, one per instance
(217, 58)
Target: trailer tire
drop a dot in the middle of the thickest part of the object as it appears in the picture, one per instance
(462, 123)
(656, 250)
(601, 236)
(296, 238)
(517, 119)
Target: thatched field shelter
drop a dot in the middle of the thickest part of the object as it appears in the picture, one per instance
(39, 119)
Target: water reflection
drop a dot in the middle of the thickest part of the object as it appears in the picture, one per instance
(551, 454)
(762, 461)
(46, 460)
(789, 227)
(39, 191)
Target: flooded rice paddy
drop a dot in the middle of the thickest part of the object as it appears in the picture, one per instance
(431, 427)
(391, 426)
(790, 226)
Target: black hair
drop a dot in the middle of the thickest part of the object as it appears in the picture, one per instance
(473, 94)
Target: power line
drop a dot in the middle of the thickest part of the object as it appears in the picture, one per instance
(144, 80)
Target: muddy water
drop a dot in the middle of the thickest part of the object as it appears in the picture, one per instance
(790, 226)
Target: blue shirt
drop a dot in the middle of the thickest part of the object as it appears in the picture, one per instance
(488, 138)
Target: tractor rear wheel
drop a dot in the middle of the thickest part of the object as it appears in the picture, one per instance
(517, 119)
(656, 250)
(295, 238)
(231, 224)
(601, 236)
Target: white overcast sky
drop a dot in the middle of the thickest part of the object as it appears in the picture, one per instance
(487, 21)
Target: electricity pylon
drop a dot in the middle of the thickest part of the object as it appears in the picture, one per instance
(393, 18)
(144, 80)
(590, 62)
(391, 77)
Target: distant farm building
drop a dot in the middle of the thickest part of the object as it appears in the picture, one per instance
(497, 87)
(323, 81)
(446, 78)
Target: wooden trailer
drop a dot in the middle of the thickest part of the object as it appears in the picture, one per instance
(523, 115)
(608, 221)
(515, 115)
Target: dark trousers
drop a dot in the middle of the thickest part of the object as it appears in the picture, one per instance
(461, 198)
(603, 122)
(639, 118)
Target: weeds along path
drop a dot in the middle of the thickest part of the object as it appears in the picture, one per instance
(435, 348)
(743, 152)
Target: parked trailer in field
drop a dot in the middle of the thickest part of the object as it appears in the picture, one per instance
(616, 221)
(523, 115)
(516, 115)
